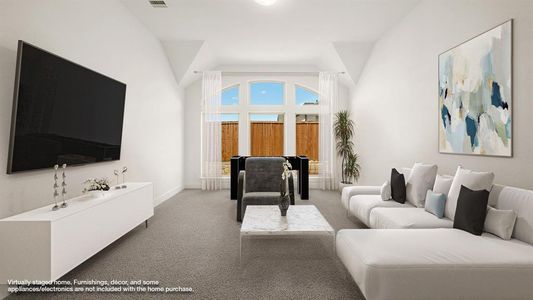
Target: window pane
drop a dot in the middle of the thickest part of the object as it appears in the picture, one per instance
(267, 117)
(230, 140)
(305, 96)
(307, 130)
(266, 134)
(267, 93)
(230, 96)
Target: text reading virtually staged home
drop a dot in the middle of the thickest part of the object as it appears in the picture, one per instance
(266, 149)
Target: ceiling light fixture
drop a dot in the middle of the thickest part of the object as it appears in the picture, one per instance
(265, 2)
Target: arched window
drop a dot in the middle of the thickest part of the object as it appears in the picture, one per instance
(305, 96)
(230, 95)
(267, 93)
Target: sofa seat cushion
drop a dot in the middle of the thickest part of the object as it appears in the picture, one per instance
(406, 217)
(435, 264)
(350, 191)
(362, 205)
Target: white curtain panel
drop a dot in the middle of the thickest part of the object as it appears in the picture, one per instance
(328, 89)
(211, 130)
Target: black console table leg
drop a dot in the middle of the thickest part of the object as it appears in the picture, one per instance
(234, 176)
(304, 178)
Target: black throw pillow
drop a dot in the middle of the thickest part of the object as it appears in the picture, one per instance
(471, 210)
(397, 184)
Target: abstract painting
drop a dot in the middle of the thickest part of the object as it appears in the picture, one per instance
(475, 90)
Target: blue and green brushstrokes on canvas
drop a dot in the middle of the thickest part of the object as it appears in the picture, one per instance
(475, 95)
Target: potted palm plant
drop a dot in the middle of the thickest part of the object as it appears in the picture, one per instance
(343, 128)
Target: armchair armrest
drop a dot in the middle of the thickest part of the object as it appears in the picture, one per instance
(350, 191)
(240, 193)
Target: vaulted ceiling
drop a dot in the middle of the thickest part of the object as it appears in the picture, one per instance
(315, 34)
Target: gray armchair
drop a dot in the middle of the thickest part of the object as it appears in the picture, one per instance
(260, 183)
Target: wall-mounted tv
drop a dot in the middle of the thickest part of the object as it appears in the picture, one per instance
(62, 113)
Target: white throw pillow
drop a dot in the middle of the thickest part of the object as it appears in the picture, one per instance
(442, 184)
(473, 180)
(500, 222)
(386, 192)
(421, 180)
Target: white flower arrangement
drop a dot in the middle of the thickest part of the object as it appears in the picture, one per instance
(95, 184)
(287, 167)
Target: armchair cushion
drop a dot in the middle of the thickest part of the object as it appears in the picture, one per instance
(263, 174)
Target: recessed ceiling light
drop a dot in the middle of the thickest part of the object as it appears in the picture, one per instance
(265, 2)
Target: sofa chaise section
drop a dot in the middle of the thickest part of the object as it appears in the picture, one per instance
(443, 263)
(436, 264)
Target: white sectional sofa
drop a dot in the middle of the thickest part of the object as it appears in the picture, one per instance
(413, 262)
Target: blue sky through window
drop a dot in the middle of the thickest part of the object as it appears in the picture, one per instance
(229, 117)
(266, 117)
(304, 95)
(267, 93)
(230, 96)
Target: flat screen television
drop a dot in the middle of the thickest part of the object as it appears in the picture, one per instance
(63, 113)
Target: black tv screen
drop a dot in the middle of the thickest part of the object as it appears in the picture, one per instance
(63, 113)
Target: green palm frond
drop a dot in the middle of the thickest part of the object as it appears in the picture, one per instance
(344, 130)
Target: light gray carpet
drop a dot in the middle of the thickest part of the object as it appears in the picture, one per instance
(193, 240)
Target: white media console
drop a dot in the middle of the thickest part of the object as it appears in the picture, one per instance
(42, 244)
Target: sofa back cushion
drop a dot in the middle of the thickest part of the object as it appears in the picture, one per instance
(442, 185)
(473, 180)
(521, 202)
(263, 174)
(405, 171)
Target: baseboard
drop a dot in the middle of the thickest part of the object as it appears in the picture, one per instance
(167, 195)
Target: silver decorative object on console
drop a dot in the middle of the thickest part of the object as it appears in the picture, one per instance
(56, 186)
(116, 175)
(124, 170)
(64, 187)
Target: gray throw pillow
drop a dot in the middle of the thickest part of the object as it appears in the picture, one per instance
(500, 222)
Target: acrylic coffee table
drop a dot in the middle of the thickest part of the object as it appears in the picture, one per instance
(301, 220)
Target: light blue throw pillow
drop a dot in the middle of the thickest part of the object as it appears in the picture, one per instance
(435, 203)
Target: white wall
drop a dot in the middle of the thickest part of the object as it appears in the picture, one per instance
(101, 35)
(395, 102)
(193, 95)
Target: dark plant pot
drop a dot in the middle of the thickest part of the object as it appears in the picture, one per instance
(284, 202)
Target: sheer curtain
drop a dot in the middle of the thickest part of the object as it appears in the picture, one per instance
(328, 90)
(211, 130)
